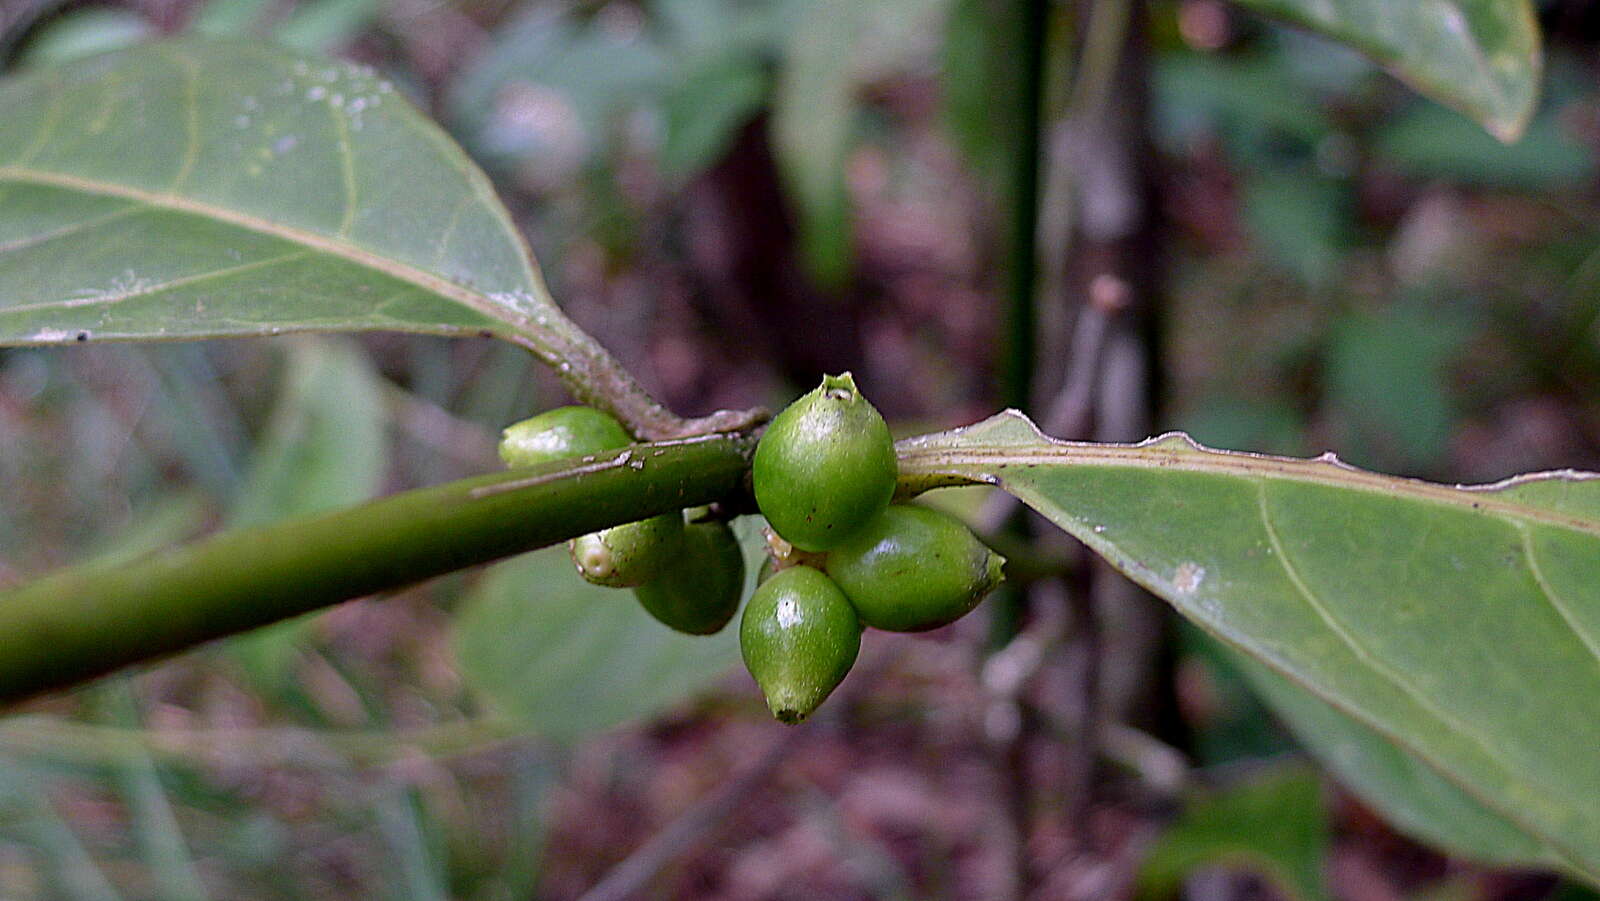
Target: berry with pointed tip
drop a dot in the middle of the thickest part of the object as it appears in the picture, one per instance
(799, 637)
(560, 434)
(914, 568)
(825, 466)
(630, 554)
(698, 590)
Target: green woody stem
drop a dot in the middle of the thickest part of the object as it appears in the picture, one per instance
(83, 622)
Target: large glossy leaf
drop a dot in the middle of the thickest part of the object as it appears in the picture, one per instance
(190, 189)
(1461, 623)
(1479, 56)
(1408, 792)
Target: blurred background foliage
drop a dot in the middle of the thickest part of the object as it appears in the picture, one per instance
(734, 195)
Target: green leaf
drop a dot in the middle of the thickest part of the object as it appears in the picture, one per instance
(716, 97)
(415, 860)
(162, 845)
(550, 89)
(1386, 381)
(813, 120)
(1247, 99)
(85, 32)
(1461, 623)
(29, 817)
(324, 447)
(229, 18)
(1479, 56)
(1409, 793)
(326, 24)
(1301, 219)
(1275, 825)
(1429, 142)
(569, 659)
(192, 189)
(834, 48)
(982, 61)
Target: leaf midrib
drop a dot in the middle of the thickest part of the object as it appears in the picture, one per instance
(313, 241)
(1326, 471)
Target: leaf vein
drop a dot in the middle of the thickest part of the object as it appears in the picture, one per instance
(28, 241)
(539, 339)
(191, 113)
(1562, 608)
(115, 297)
(1361, 651)
(448, 232)
(347, 171)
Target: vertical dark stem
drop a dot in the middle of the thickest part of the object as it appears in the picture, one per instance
(1016, 376)
(1017, 368)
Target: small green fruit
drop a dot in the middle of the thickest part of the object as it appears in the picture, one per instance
(698, 590)
(913, 569)
(560, 434)
(631, 554)
(825, 466)
(799, 637)
(619, 557)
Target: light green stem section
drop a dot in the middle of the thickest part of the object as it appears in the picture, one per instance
(87, 621)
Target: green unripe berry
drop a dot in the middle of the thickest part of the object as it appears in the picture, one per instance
(913, 569)
(630, 554)
(825, 466)
(619, 557)
(560, 434)
(698, 590)
(799, 637)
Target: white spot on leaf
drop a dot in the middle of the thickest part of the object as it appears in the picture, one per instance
(1187, 578)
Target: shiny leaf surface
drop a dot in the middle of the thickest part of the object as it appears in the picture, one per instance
(1461, 623)
(192, 189)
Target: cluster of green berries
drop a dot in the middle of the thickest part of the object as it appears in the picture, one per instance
(842, 556)
(685, 568)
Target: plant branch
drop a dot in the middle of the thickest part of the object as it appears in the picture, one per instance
(87, 621)
(596, 378)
